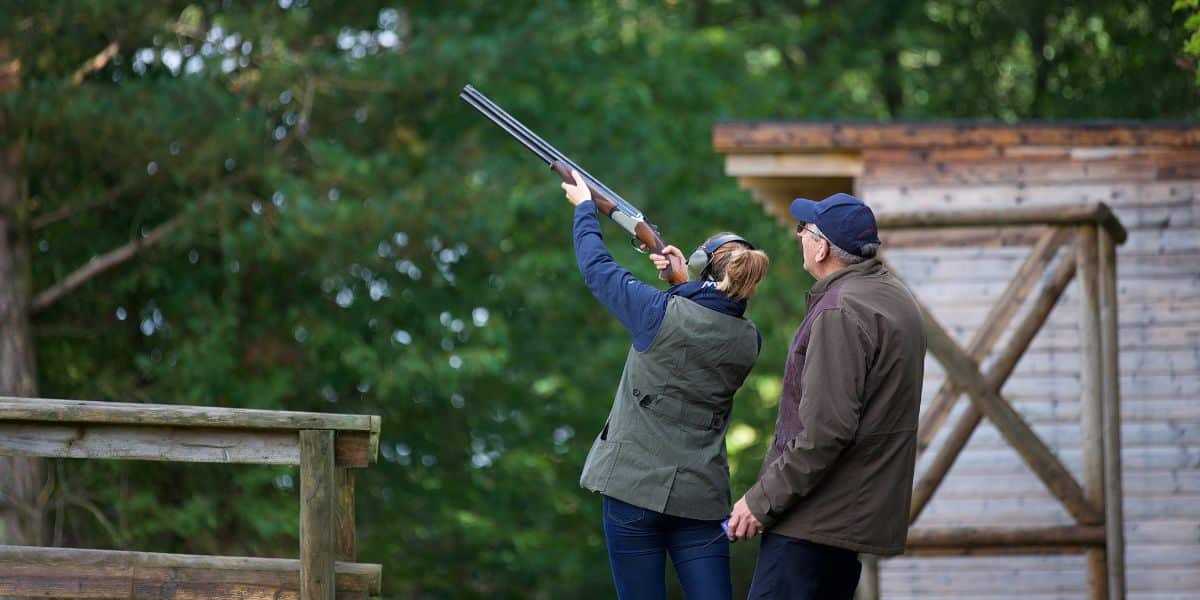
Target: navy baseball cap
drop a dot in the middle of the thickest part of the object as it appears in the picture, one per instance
(845, 220)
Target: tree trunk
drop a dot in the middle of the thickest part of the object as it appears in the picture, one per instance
(20, 478)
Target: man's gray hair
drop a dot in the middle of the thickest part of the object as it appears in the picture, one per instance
(869, 250)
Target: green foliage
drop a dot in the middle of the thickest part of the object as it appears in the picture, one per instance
(359, 240)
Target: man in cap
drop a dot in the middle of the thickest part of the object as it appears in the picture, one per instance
(837, 479)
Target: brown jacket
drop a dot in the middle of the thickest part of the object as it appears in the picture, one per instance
(840, 469)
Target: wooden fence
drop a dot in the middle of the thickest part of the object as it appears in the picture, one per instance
(325, 446)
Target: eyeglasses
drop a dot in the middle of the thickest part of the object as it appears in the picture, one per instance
(804, 227)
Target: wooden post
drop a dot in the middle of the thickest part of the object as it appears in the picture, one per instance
(1110, 395)
(868, 582)
(344, 529)
(316, 514)
(1091, 415)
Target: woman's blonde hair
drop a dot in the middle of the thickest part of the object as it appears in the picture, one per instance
(738, 269)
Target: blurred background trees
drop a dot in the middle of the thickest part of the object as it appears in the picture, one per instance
(285, 205)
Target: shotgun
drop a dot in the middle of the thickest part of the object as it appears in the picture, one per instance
(624, 214)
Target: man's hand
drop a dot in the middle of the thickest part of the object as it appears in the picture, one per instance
(672, 257)
(743, 525)
(578, 192)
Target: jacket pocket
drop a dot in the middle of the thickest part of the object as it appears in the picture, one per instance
(598, 468)
(681, 412)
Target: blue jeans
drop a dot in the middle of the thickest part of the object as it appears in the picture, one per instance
(802, 570)
(638, 541)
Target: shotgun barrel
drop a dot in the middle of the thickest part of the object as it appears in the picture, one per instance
(607, 201)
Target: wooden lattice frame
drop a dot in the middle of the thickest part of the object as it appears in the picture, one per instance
(1092, 233)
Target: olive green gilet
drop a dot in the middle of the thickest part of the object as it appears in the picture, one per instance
(663, 447)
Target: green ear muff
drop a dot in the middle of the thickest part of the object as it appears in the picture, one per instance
(697, 264)
(698, 261)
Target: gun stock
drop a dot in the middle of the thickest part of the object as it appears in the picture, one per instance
(640, 229)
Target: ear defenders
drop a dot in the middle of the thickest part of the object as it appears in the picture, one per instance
(698, 262)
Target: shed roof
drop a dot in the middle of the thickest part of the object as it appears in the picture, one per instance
(798, 136)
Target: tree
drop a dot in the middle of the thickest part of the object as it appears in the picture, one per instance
(285, 205)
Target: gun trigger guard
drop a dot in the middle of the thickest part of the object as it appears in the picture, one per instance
(637, 246)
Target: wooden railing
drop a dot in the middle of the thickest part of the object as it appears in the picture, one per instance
(325, 446)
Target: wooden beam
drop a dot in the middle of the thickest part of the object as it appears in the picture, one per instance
(979, 537)
(180, 444)
(317, 506)
(1095, 214)
(1091, 413)
(1015, 430)
(994, 324)
(823, 164)
(868, 581)
(797, 136)
(1002, 367)
(172, 415)
(76, 573)
(344, 530)
(959, 237)
(1110, 394)
(79, 411)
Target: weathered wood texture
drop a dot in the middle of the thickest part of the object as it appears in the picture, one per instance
(77, 429)
(318, 505)
(324, 445)
(1110, 400)
(1149, 174)
(983, 138)
(1156, 326)
(76, 573)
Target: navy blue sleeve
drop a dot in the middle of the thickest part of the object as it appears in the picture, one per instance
(638, 306)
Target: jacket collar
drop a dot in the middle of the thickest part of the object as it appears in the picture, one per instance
(867, 268)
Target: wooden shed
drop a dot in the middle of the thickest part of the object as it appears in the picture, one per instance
(1149, 174)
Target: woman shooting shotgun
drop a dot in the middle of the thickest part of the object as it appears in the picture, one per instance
(660, 460)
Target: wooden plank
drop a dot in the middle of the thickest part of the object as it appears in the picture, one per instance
(1014, 481)
(78, 411)
(345, 543)
(1047, 170)
(789, 136)
(1099, 214)
(979, 537)
(78, 573)
(1123, 197)
(1027, 165)
(179, 444)
(317, 505)
(825, 164)
(972, 237)
(1110, 400)
(1045, 510)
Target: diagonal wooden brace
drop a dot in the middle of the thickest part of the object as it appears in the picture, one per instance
(1016, 431)
(994, 324)
(1002, 367)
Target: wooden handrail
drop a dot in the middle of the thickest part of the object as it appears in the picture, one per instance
(83, 573)
(126, 431)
